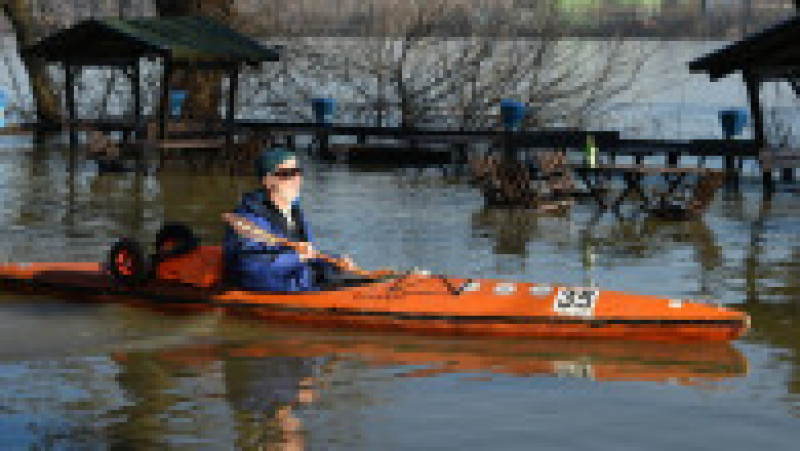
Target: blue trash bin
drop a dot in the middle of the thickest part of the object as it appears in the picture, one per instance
(323, 110)
(176, 98)
(511, 114)
(3, 101)
(732, 121)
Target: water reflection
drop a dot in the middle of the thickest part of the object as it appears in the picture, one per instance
(263, 390)
(510, 229)
(146, 380)
(179, 393)
(625, 241)
(265, 381)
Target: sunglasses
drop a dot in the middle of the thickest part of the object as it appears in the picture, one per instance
(287, 173)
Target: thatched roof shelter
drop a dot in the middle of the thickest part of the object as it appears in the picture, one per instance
(193, 43)
(772, 54)
(183, 40)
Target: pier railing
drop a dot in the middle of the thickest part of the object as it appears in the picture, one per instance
(608, 142)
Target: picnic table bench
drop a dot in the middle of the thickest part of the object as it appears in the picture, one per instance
(780, 158)
(669, 202)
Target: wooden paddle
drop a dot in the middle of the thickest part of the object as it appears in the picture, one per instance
(253, 231)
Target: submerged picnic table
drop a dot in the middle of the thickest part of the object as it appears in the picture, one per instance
(667, 192)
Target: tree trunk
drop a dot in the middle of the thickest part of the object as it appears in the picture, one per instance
(48, 104)
(203, 88)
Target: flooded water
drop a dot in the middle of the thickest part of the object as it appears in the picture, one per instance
(84, 375)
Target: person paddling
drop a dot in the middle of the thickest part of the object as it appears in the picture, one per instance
(253, 265)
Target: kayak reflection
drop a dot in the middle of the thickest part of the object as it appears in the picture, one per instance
(265, 375)
(599, 360)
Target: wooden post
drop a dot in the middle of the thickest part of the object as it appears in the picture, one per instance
(322, 138)
(70, 91)
(414, 144)
(133, 73)
(458, 153)
(672, 159)
(137, 97)
(233, 87)
(731, 178)
(164, 101)
(509, 148)
(753, 94)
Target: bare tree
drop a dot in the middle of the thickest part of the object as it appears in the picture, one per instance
(780, 119)
(412, 61)
(26, 32)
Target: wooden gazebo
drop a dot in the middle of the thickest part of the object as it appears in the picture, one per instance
(187, 43)
(769, 55)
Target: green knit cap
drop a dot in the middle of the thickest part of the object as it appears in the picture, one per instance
(269, 159)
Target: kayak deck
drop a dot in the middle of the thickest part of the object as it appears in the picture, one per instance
(415, 302)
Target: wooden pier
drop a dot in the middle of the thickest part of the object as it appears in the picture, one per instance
(459, 143)
(550, 184)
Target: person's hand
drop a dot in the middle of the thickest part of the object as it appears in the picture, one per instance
(349, 265)
(308, 252)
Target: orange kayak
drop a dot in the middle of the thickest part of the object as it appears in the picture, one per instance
(420, 303)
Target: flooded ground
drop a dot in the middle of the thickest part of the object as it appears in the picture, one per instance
(76, 375)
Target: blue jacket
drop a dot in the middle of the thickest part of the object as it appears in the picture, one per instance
(252, 265)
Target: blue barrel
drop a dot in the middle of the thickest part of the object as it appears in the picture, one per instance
(323, 110)
(511, 114)
(732, 121)
(3, 101)
(176, 98)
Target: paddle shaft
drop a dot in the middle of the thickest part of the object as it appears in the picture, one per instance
(251, 230)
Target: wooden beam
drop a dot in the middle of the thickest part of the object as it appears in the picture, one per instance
(753, 84)
(191, 144)
(233, 88)
(794, 81)
(776, 72)
(163, 111)
(133, 74)
(765, 48)
(209, 65)
(70, 93)
(98, 62)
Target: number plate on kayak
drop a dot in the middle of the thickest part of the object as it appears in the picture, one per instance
(575, 301)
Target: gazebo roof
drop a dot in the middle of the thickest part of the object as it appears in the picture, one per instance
(186, 39)
(770, 51)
